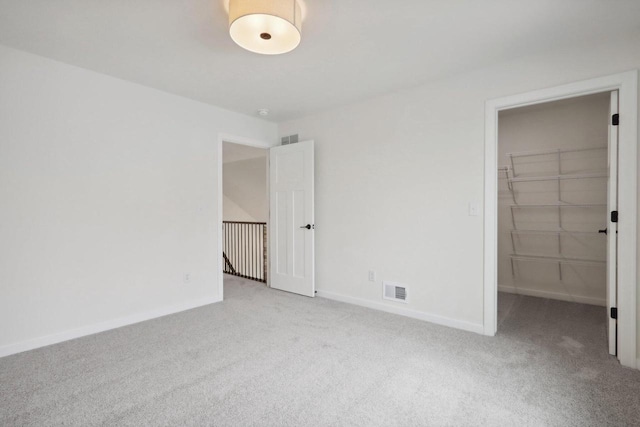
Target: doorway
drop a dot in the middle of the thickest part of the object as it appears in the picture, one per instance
(557, 161)
(245, 211)
(266, 213)
(626, 86)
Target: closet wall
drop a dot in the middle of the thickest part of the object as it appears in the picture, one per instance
(548, 241)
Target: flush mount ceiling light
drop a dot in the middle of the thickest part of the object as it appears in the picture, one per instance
(270, 27)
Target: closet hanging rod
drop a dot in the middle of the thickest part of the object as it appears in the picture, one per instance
(556, 259)
(552, 232)
(555, 205)
(557, 177)
(555, 151)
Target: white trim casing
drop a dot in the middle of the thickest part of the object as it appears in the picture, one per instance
(404, 311)
(103, 326)
(627, 85)
(235, 139)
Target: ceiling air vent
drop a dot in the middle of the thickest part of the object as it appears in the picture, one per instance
(394, 291)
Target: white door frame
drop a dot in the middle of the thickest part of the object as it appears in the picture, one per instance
(627, 85)
(234, 139)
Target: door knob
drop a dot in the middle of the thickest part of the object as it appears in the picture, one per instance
(603, 231)
(308, 226)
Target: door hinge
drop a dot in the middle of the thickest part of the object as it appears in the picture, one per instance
(615, 119)
(614, 312)
(614, 216)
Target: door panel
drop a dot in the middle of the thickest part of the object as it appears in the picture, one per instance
(300, 234)
(292, 218)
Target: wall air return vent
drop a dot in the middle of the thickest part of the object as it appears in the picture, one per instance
(394, 291)
(291, 139)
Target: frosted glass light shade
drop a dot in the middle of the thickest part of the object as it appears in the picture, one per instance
(269, 27)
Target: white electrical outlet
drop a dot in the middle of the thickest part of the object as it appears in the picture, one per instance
(186, 278)
(372, 276)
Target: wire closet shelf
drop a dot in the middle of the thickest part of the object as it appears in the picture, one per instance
(514, 177)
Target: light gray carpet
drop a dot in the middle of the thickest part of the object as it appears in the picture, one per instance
(265, 357)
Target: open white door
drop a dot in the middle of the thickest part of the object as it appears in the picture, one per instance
(612, 226)
(291, 216)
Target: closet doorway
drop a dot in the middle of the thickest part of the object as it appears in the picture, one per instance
(623, 308)
(557, 177)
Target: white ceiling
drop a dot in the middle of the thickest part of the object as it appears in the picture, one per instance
(350, 50)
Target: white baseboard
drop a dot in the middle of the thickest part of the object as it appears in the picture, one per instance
(403, 311)
(552, 295)
(70, 334)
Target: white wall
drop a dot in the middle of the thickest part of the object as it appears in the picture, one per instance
(232, 212)
(395, 176)
(245, 183)
(108, 195)
(568, 124)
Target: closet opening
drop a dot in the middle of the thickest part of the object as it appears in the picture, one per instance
(556, 239)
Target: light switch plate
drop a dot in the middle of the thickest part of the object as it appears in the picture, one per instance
(474, 209)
